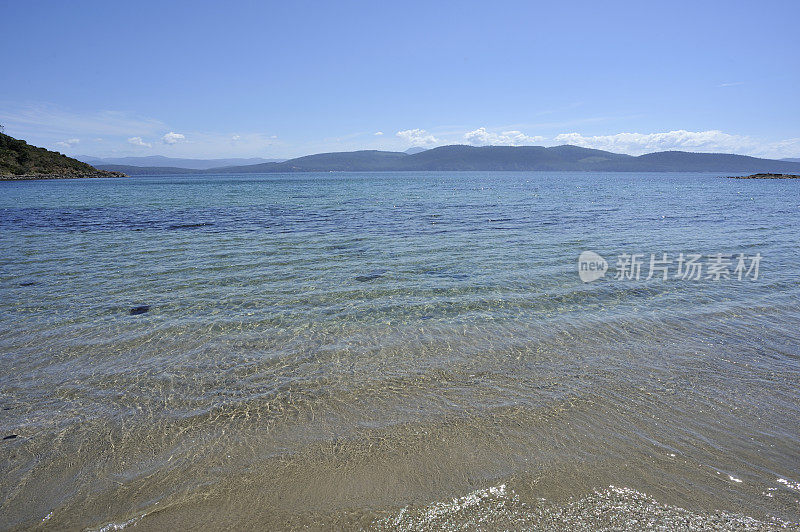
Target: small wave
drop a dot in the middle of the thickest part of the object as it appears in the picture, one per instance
(119, 526)
(108, 527)
(439, 511)
(789, 484)
(613, 508)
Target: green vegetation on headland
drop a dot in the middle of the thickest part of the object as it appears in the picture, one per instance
(494, 158)
(766, 176)
(20, 160)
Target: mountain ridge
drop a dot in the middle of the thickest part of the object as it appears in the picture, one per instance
(498, 158)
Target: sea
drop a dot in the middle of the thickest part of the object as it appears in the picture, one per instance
(400, 351)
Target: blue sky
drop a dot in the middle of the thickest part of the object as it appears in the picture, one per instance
(281, 79)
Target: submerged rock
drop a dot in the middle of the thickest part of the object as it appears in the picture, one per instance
(141, 309)
(371, 276)
(189, 226)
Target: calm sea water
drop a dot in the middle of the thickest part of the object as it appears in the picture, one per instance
(396, 351)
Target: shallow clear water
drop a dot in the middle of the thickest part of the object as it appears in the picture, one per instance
(349, 349)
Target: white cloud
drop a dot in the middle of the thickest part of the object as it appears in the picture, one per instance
(68, 143)
(49, 120)
(712, 141)
(378, 133)
(125, 133)
(172, 138)
(481, 137)
(417, 137)
(783, 148)
(137, 141)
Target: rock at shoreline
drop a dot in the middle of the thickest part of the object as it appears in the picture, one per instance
(62, 175)
(765, 176)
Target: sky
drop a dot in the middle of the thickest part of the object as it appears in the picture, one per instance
(283, 79)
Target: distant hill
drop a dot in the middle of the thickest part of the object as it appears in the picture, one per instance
(349, 161)
(20, 160)
(680, 161)
(792, 159)
(415, 149)
(512, 158)
(502, 158)
(154, 161)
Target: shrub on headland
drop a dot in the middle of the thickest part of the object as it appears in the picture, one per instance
(18, 159)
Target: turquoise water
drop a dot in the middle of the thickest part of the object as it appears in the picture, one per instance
(351, 348)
